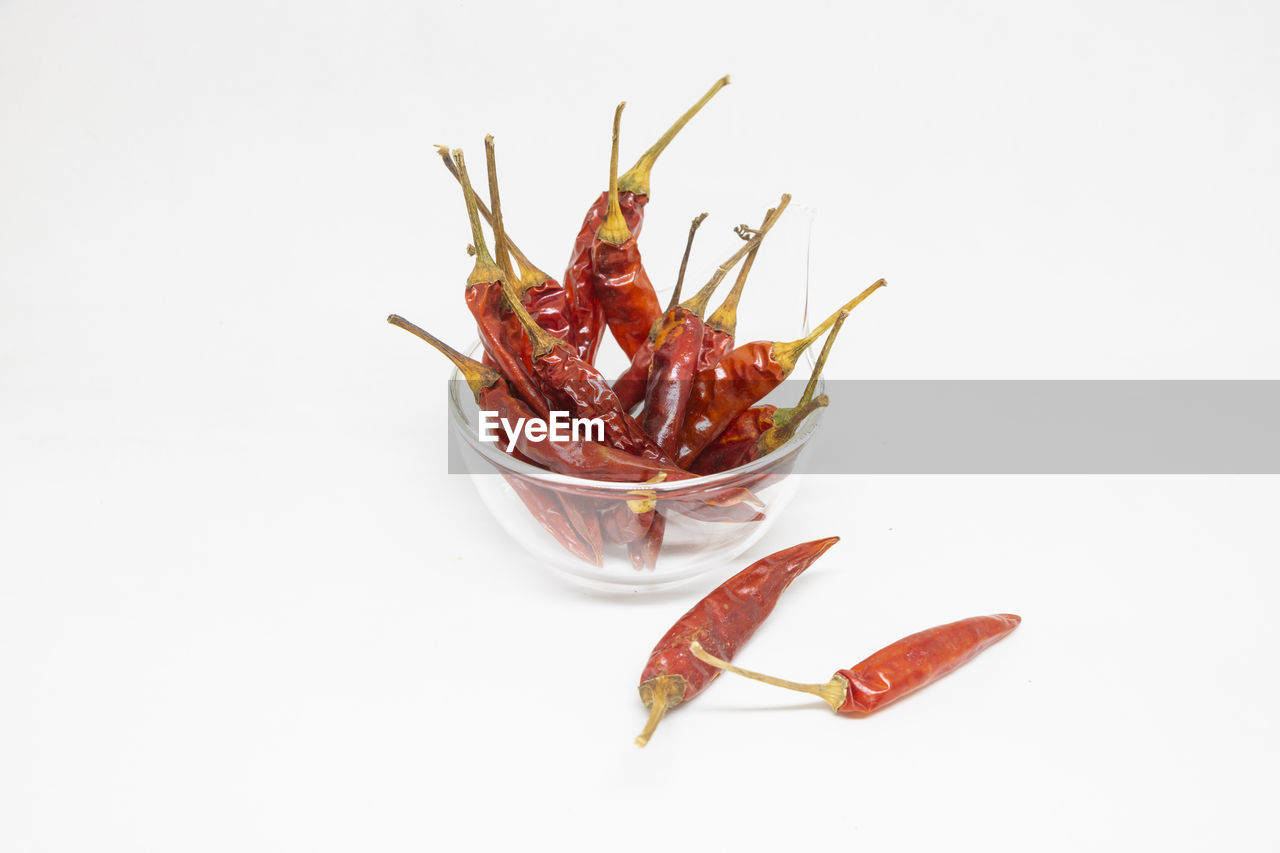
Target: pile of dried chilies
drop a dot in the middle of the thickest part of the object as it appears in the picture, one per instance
(687, 405)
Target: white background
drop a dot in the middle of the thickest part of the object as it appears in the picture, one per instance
(243, 607)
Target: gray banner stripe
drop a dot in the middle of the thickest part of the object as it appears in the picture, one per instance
(1039, 427)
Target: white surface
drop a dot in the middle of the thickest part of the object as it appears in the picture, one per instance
(241, 606)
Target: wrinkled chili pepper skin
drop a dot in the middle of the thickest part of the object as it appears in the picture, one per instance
(508, 353)
(728, 616)
(723, 391)
(913, 662)
(675, 362)
(586, 312)
(623, 288)
(576, 386)
(630, 384)
(716, 344)
(737, 445)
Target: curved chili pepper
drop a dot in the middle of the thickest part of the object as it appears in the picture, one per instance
(589, 314)
(484, 299)
(895, 670)
(723, 620)
(621, 284)
(742, 377)
(580, 458)
(760, 430)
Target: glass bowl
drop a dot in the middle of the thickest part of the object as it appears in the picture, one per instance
(575, 526)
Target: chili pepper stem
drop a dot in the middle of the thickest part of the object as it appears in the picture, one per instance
(659, 694)
(789, 353)
(783, 416)
(540, 340)
(478, 376)
(485, 269)
(500, 244)
(698, 302)
(684, 263)
(530, 275)
(614, 230)
(636, 180)
(833, 692)
(725, 318)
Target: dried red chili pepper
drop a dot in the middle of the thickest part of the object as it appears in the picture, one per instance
(630, 386)
(485, 300)
(621, 284)
(633, 194)
(644, 552)
(760, 430)
(895, 670)
(548, 509)
(587, 459)
(739, 379)
(723, 620)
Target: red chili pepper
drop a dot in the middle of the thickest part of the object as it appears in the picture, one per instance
(722, 621)
(632, 195)
(587, 459)
(550, 511)
(630, 386)
(760, 430)
(895, 670)
(484, 298)
(585, 523)
(621, 284)
(644, 552)
(742, 377)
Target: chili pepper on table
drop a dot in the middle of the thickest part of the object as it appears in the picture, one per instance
(543, 297)
(760, 430)
(484, 299)
(739, 379)
(895, 670)
(722, 621)
(633, 195)
(579, 458)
